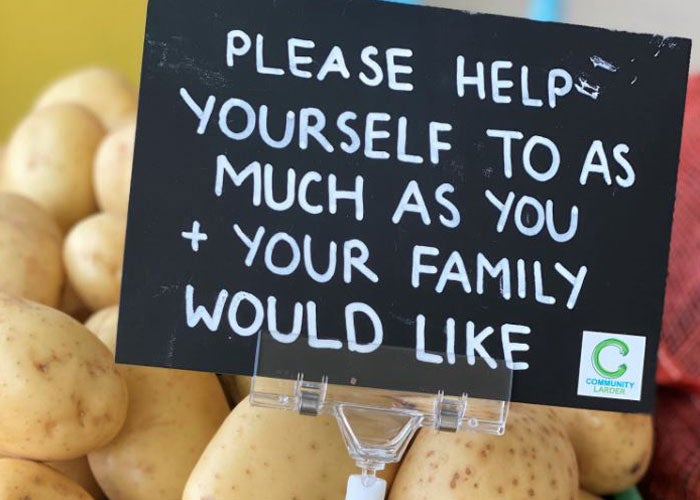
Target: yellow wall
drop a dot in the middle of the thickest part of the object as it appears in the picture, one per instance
(41, 40)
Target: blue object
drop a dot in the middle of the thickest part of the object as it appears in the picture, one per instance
(631, 494)
(545, 10)
(540, 10)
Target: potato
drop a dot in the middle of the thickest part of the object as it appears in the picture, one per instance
(584, 495)
(103, 324)
(112, 169)
(172, 416)
(3, 151)
(236, 387)
(106, 93)
(25, 480)
(534, 459)
(613, 449)
(78, 470)
(60, 390)
(49, 159)
(276, 454)
(72, 304)
(93, 254)
(30, 251)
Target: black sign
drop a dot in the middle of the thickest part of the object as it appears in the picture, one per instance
(352, 175)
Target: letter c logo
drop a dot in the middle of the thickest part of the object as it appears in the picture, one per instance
(602, 371)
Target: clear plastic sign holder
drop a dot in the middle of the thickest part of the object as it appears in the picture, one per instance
(378, 424)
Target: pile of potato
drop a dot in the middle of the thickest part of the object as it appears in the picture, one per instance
(75, 425)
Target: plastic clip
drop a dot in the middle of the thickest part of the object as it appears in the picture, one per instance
(310, 395)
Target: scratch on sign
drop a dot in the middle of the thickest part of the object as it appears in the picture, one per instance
(585, 88)
(599, 62)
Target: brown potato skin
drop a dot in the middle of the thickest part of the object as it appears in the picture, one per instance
(613, 449)
(236, 387)
(78, 470)
(22, 479)
(72, 304)
(30, 251)
(49, 160)
(534, 459)
(584, 495)
(61, 393)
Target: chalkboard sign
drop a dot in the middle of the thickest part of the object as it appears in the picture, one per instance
(352, 175)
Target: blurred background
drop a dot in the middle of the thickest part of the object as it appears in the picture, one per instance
(41, 40)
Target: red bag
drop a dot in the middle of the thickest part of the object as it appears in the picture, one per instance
(679, 353)
(675, 468)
